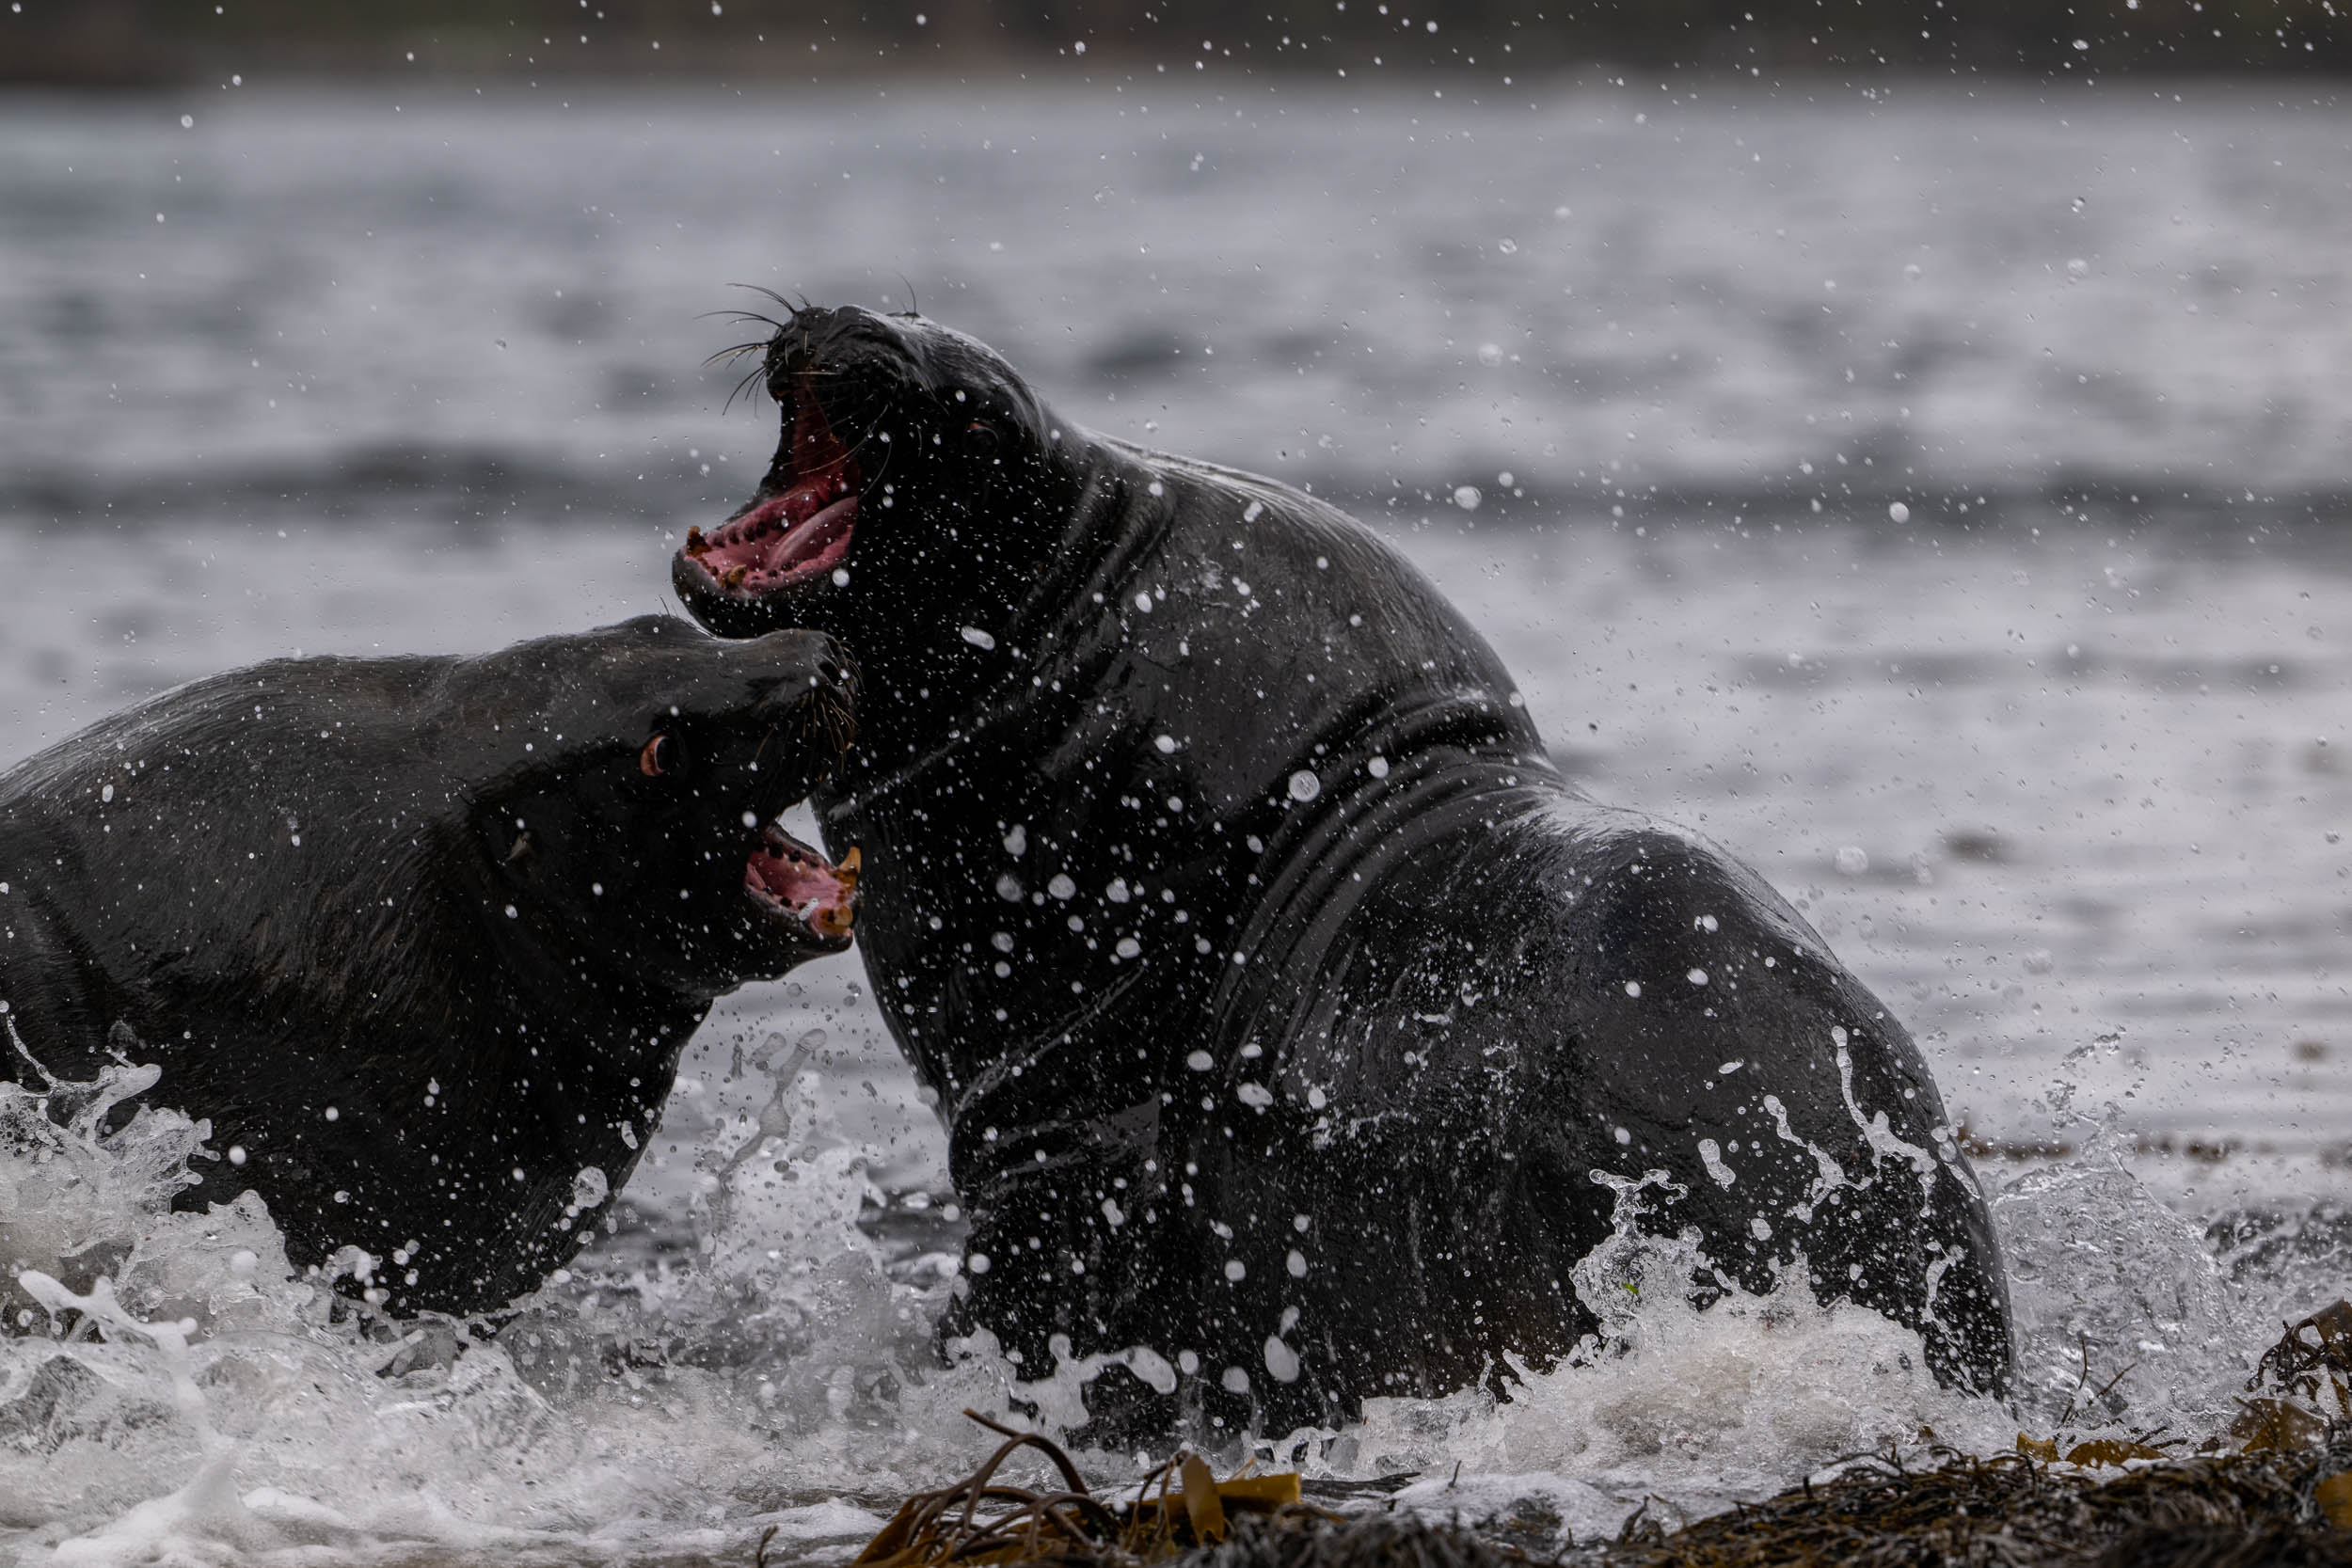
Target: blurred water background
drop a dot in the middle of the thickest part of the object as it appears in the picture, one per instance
(1939, 491)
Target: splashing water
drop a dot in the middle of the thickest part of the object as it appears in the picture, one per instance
(173, 1390)
(2119, 1307)
(1682, 1409)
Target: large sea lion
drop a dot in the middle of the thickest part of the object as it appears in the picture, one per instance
(1290, 1016)
(424, 937)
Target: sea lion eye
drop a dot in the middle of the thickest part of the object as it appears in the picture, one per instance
(663, 754)
(981, 438)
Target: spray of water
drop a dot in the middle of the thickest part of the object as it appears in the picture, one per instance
(173, 1389)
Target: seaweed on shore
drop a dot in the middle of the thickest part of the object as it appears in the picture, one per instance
(2284, 1499)
(2232, 1511)
(2202, 1513)
(1181, 1508)
(2301, 1386)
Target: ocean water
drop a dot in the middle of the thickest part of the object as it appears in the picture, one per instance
(1938, 498)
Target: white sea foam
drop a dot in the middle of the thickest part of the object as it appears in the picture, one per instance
(177, 1394)
(1670, 1407)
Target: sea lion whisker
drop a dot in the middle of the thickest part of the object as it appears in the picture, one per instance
(761, 289)
(768, 321)
(748, 388)
(733, 352)
(756, 378)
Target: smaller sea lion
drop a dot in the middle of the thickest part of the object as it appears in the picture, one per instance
(424, 937)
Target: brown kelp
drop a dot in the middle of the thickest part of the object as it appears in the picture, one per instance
(2277, 1489)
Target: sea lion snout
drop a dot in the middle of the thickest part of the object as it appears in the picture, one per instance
(813, 711)
(781, 706)
(832, 678)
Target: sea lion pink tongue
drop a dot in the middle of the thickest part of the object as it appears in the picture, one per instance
(801, 530)
(1291, 1018)
(424, 937)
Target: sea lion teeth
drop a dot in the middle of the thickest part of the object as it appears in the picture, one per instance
(847, 870)
(784, 529)
(695, 544)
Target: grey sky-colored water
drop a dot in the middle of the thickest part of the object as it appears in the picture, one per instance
(1916, 290)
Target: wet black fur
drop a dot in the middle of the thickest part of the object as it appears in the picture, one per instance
(437, 899)
(1345, 1117)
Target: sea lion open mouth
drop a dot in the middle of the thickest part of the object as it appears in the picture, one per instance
(875, 409)
(793, 883)
(795, 533)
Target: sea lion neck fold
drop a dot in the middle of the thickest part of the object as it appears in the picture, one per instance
(423, 937)
(1290, 1016)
